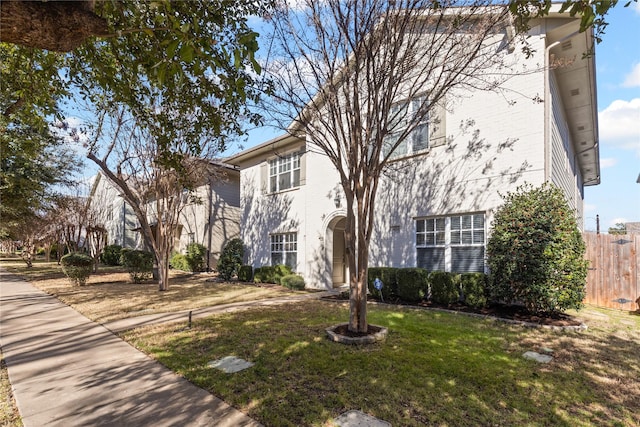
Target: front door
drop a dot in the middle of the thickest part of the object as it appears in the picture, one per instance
(339, 265)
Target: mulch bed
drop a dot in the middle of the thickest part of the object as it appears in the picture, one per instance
(502, 311)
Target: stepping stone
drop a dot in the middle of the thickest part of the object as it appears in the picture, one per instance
(542, 358)
(359, 419)
(230, 364)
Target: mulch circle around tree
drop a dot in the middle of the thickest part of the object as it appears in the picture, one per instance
(344, 330)
(502, 311)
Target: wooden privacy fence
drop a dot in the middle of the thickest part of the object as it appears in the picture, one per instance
(613, 280)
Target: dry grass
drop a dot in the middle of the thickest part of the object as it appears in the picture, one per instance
(109, 295)
(9, 415)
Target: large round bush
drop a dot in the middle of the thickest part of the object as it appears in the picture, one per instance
(231, 259)
(536, 252)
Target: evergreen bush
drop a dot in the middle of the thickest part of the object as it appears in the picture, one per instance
(139, 264)
(388, 275)
(474, 289)
(245, 273)
(444, 287)
(111, 255)
(412, 284)
(179, 262)
(293, 281)
(196, 257)
(77, 267)
(536, 252)
(231, 259)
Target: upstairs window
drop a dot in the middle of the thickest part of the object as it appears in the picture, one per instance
(284, 172)
(401, 116)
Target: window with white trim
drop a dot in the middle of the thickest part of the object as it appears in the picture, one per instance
(401, 116)
(452, 243)
(284, 172)
(284, 249)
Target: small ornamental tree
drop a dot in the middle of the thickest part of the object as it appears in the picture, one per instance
(536, 252)
(231, 259)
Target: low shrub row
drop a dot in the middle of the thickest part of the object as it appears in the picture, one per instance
(194, 260)
(417, 284)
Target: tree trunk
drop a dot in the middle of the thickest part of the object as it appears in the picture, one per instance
(163, 267)
(358, 263)
(53, 25)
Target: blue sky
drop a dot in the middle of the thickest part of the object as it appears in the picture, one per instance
(617, 198)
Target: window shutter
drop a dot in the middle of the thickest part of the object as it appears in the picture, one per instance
(264, 177)
(303, 166)
(437, 124)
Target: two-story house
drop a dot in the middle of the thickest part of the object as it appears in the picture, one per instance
(210, 216)
(436, 199)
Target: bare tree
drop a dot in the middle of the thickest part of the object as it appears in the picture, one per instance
(157, 191)
(362, 79)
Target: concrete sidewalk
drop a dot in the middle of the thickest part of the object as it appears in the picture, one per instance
(66, 370)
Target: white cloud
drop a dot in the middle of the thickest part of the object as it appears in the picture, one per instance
(633, 78)
(589, 207)
(616, 221)
(619, 125)
(607, 162)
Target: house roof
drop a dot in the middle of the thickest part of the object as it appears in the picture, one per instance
(273, 146)
(575, 75)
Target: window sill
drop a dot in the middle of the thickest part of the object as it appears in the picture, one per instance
(288, 190)
(410, 156)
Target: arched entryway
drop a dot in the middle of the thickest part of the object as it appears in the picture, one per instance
(337, 253)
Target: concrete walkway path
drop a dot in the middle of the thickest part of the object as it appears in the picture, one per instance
(66, 370)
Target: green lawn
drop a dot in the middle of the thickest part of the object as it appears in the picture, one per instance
(433, 369)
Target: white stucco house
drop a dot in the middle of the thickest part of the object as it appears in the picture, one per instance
(211, 218)
(436, 201)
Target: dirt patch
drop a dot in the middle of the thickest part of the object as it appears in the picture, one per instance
(344, 330)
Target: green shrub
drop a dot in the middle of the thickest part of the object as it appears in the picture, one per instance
(123, 253)
(271, 274)
(536, 252)
(139, 264)
(474, 289)
(196, 257)
(231, 259)
(245, 273)
(412, 283)
(77, 267)
(111, 255)
(293, 281)
(444, 287)
(179, 262)
(388, 275)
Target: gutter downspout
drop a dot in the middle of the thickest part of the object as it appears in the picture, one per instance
(547, 104)
(209, 237)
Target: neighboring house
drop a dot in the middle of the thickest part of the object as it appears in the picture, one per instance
(436, 201)
(117, 216)
(214, 218)
(211, 218)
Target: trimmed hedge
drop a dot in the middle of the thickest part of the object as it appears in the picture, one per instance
(412, 284)
(139, 264)
(293, 281)
(388, 275)
(474, 289)
(111, 255)
(271, 274)
(245, 273)
(77, 267)
(444, 287)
